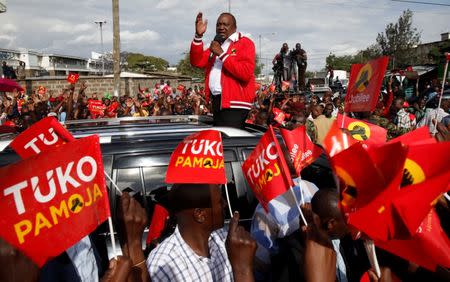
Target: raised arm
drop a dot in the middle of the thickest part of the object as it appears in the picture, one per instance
(199, 57)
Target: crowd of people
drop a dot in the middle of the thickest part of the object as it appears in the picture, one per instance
(21, 111)
(312, 245)
(271, 107)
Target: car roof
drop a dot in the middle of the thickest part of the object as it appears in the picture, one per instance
(129, 128)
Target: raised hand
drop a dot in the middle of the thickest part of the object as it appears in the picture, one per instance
(200, 24)
(134, 219)
(319, 253)
(241, 249)
(314, 231)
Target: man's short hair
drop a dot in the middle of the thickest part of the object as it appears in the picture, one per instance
(189, 196)
(232, 17)
(325, 203)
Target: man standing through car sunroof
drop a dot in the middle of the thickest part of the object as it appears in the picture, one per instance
(229, 65)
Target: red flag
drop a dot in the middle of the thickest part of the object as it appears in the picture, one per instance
(73, 78)
(414, 202)
(364, 85)
(416, 137)
(266, 170)
(167, 90)
(44, 135)
(337, 141)
(363, 131)
(371, 176)
(111, 110)
(447, 55)
(279, 115)
(302, 151)
(272, 88)
(428, 247)
(425, 161)
(96, 108)
(198, 159)
(425, 178)
(181, 87)
(58, 198)
(157, 223)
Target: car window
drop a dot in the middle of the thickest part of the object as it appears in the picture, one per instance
(145, 173)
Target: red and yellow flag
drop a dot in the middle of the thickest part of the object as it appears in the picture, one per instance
(364, 85)
(266, 170)
(362, 130)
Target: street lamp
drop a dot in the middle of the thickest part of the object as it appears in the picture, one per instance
(101, 23)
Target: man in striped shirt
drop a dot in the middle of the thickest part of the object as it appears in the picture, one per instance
(199, 249)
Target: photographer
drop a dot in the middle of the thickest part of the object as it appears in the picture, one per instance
(298, 56)
(281, 66)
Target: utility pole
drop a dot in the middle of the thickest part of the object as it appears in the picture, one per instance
(260, 45)
(229, 6)
(116, 47)
(101, 23)
(259, 37)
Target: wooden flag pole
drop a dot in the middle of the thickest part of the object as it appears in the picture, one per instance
(442, 93)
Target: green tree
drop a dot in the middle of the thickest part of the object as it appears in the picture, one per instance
(140, 62)
(309, 74)
(362, 56)
(399, 39)
(258, 66)
(370, 53)
(184, 67)
(340, 62)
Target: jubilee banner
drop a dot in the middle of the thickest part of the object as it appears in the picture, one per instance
(364, 85)
(50, 201)
(362, 130)
(302, 150)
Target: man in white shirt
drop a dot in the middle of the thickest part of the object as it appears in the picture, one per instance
(434, 115)
(229, 65)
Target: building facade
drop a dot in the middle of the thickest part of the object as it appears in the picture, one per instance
(35, 64)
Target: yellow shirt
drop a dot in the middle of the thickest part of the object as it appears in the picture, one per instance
(323, 125)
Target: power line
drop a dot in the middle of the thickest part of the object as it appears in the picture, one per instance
(421, 2)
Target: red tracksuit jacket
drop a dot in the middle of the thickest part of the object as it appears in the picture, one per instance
(237, 79)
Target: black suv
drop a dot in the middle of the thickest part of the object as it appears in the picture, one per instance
(136, 152)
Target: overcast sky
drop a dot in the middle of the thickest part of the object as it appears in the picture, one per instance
(165, 28)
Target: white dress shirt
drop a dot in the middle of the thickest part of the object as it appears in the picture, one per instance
(82, 256)
(216, 72)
